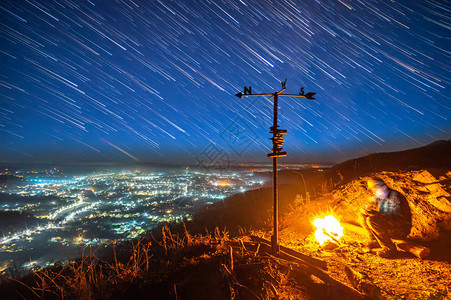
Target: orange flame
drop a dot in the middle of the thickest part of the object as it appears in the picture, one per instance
(327, 229)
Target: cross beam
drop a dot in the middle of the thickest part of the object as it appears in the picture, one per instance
(277, 141)
(309, 96)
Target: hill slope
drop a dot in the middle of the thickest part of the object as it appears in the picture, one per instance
(436, 155)
(254, 208)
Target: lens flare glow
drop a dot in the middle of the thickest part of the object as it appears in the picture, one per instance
(327, 229)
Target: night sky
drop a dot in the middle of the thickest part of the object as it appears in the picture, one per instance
(154, 81)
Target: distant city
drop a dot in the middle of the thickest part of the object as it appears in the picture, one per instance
(50, 215)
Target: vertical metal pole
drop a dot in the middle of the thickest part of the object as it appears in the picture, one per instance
(276, 109)
(275, 239)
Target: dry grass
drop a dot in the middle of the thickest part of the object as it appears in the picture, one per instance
(91, 277)
(253, 274)
(243, 271)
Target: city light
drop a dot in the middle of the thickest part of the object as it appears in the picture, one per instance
(99, 206)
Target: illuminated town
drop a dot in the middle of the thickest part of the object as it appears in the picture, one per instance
(54, 214)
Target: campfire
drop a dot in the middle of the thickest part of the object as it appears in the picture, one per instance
(328, 229)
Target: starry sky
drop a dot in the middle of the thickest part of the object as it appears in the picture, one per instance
(135, 81)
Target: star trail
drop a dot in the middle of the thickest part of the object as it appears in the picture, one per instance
(154, 81)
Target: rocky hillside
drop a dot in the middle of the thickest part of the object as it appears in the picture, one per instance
(429, 200)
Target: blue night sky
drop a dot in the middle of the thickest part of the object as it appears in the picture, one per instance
(154, 81)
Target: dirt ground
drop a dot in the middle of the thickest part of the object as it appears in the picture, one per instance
(402, 277)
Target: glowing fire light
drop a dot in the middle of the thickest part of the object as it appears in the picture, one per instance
(327, 229)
